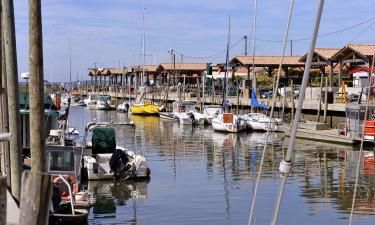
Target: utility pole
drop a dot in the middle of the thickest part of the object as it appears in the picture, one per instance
(291, 47)
(13, 96)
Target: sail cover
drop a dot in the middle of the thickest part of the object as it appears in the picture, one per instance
(254, 102)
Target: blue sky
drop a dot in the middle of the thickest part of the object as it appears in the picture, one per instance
(109, 31)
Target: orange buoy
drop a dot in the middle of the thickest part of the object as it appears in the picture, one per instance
(370, 128)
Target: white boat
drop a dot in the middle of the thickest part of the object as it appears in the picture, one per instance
(104, 159)
(261, 122)
(186, 113)
(168, 116)
(123, 107)
(103, 102)
(228, 122)
(90, 100)
(211, 112)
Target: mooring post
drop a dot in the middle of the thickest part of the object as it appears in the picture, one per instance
(13, 96)
(34, 207)
(292, 100)
(3, 200)
(37, 140)
(320, 98)
(325, 102)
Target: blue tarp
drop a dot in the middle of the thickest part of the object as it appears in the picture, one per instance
(254, 102)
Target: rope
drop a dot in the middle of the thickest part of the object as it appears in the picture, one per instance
(301, 98)
(362, 140)
(291, 7)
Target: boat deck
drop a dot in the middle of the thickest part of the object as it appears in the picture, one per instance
(329, 135)
(13, 212)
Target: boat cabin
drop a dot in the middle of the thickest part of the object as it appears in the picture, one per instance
(183, 106)
(64, 160)
(355, 116)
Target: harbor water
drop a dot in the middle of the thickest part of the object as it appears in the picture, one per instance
(199, 176)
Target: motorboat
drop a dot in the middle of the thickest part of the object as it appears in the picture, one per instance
(186, 113)
(123, 107)
(103, 102)
(261, 122)
(211, 112)
(90, 100)
(104, 159)
(228, 122)
(168, 116)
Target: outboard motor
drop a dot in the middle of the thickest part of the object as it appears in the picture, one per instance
(192, 117)
(119, 165)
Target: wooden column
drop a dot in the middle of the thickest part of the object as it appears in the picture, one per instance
(3, 201)
(37, 140)
(35, 198)
(325, 102)
(13, 96)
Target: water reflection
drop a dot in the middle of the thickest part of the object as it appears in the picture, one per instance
(201, 176)
(116, 202)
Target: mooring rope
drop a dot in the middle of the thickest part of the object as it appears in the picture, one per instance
(275, 87)
(362, 140)
(286, 164)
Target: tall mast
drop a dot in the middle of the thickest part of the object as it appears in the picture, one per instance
(226, 65)
(253, 54)
(144, 41)
(70, 65)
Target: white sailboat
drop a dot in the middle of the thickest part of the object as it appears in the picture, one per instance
(226, 121)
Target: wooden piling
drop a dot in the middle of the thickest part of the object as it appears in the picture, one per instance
(37, 140)
(34, 207)
(320, 98)
(3, 200)
(13, 96)
(292, 100)
(325, 102)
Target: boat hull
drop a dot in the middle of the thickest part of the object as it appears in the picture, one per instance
(168, 116)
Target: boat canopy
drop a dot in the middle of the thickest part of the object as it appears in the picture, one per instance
(104, 97)
(24, 101)
(103, 140)
(254, 102)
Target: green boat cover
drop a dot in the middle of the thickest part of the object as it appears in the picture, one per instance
(103, 140)
(24, 101)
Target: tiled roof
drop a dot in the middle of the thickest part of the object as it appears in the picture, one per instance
(107, 71)
(364, 50)
(149, 68)
(184, 66)
(367, 50)
(325, 53)
(268, 60)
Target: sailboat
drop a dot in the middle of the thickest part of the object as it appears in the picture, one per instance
(142, 106)
(227, 121)
(258, 121)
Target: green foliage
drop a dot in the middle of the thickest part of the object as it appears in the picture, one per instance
(264, 81)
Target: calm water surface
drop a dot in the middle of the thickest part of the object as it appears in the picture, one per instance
(203, 177)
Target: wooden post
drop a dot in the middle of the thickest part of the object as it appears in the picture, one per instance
(292, 101)
(13, 96)
(4, 106)
(320, 98)
(37, 140)
(325, 102)
(238, 98)
(35, 198)
(3, 200)
(283, 109)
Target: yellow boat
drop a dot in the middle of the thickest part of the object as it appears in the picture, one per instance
(137, 108)
(146, 108)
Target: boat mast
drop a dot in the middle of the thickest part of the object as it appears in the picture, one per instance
(253, 54)
(286, 164)
(226, 66)
(143, 42)
(70, 66)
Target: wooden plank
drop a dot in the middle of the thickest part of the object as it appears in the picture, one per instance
(35, 198)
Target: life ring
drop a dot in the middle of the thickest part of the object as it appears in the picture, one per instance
(64, 191)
